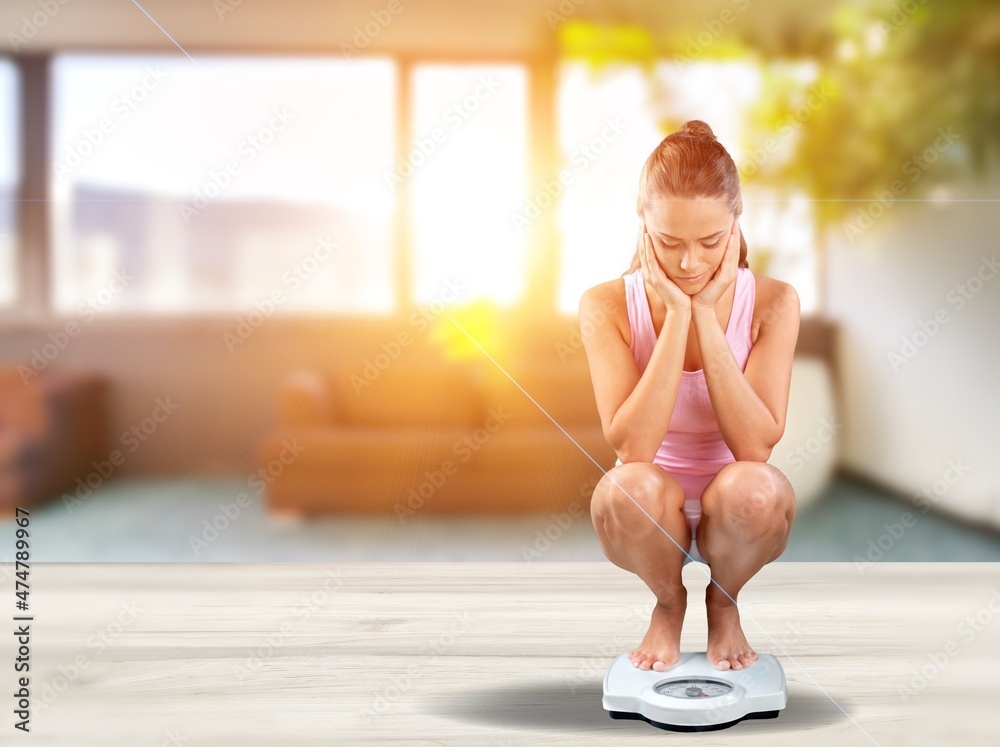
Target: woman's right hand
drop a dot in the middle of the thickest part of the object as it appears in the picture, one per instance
(674, 298)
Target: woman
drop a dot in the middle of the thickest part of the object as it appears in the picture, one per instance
(691, 375)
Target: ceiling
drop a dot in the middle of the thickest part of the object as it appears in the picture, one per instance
(417, 27)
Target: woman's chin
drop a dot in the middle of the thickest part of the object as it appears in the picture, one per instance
(690, 288)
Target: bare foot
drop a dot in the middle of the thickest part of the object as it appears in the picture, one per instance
(727, 646)
(660, 647)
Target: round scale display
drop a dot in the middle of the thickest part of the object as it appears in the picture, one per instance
(694, 687)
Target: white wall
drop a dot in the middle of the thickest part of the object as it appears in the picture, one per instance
(906, 427)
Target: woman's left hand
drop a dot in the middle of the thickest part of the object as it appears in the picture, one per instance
(709, 296)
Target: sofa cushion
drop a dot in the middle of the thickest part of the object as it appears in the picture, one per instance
(564, 391)
(406, 395)
(304, 400)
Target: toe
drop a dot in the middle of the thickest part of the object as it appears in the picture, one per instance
(722, 664)
(659, 665)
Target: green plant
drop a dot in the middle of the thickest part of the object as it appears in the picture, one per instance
(894, 74)
(899, 74)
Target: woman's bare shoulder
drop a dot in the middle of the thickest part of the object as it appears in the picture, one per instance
(773, 298)
(608, 291)
(605, 304)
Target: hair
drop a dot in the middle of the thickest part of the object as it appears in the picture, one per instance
(690, 163)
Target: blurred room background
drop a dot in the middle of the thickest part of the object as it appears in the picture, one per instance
(299, 280)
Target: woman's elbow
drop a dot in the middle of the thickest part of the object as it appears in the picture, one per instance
(627, 451)
(753, 454)
(761, 450)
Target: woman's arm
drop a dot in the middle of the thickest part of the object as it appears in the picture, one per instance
(750, 406)
(635, 410)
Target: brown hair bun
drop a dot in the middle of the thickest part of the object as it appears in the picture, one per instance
(697, 128)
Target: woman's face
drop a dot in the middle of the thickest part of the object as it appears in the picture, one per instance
(689, 238)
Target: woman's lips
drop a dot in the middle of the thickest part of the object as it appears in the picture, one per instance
(694, 279)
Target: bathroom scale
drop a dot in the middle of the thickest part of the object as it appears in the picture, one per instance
(693, 695)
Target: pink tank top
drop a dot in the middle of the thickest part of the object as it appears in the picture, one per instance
(693, 444)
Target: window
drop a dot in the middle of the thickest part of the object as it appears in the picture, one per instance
(605, 131)
(467, 167)
(597, 217)
(210, 187)
(10, 177)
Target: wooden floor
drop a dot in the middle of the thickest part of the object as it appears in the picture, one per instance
(485, 654)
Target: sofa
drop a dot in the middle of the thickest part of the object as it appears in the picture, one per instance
(460, 437)
(452, 437)
(53, 426)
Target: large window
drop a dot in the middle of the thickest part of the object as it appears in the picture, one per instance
(10, 170)
(597, 218)
(468, 169)
(606, 131)
(211, 187)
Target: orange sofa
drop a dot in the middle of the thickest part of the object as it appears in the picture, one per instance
(437, 437)
(51, 430)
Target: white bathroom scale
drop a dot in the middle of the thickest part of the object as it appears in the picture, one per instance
(693, 695)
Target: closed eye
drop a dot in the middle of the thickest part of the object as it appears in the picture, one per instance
(709, 246)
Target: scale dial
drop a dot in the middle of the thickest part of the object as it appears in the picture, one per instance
(694, 687)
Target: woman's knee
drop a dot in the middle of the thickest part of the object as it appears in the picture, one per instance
(748, 492)
(644, 483)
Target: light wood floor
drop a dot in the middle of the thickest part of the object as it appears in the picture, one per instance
(485, 654)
